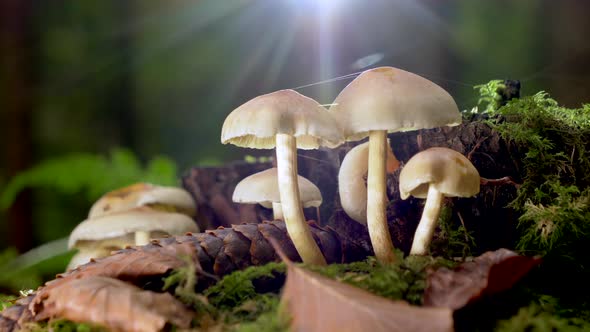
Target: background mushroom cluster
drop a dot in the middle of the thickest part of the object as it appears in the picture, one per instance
(132, 216)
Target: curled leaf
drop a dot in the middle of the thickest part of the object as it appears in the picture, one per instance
(490, 273)
(112, 303)
(131, 265)
(317, 303)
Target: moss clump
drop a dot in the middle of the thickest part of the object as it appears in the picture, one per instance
(554, 198)
(538, 318)
(453, 239)
(405, 280)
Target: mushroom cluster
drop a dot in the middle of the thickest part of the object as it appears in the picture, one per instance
(132, 216)
(379, 101)
(285, 120)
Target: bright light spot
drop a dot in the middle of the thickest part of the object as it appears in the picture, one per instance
(322, 7)
(367, 61)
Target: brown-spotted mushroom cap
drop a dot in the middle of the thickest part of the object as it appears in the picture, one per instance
(144, 194)
(263, 188)
(433, 174)
(285, 120)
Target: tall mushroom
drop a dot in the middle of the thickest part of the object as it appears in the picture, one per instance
(379, 101)
(352, 186)
(263, 188)
(286, 120)
(433, 174)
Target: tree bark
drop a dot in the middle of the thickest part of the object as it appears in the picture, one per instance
(17, 95)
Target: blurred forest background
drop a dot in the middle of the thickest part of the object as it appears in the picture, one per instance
(84, 79)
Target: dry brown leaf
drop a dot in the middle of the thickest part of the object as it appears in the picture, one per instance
(128, 264)
(112, 303)
(490, 273)
(13, 318)
(316, 303)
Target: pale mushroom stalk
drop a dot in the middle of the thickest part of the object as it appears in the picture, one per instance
(292, 209)
(377, 198)
(427, 224)
(142, 238)
(277, 211)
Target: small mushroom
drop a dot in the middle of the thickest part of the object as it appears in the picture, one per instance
(286, 120)
(380, 101)
(433, 174)
(141, 200)
(263, 188)
(144, 194)
(352, 185)
(136, 226)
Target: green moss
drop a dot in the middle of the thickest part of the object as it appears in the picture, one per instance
(536, 318)
(553, 200)
(453, 239)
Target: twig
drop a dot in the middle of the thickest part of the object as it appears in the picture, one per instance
(498, 182)
(476, 146)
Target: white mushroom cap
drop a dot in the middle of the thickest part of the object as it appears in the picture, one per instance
(392, 99)
(124, 223)
(142, 194)
(255, 123)
(352, 186)
(263, 188)
(450, 172)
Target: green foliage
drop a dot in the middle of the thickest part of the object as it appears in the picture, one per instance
(94, 174)
(16, 279)
(62, 325)
(488, 96)
(405, 280)
(6, 301)
(553, 200)
(536, 318)
(556, 141)
(272, 320)
(453, 240)
(238, 287)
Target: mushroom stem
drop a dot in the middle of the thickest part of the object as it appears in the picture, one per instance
(377, 198)
(142, 238)
(427, 224)
(286, 150)
(277, 211)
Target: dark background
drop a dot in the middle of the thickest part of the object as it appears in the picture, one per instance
(159, 77)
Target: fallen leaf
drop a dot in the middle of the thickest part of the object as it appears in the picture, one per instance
(490, 273)
(317, 303)
(133, 264)
(15, 316)
(114, 304)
